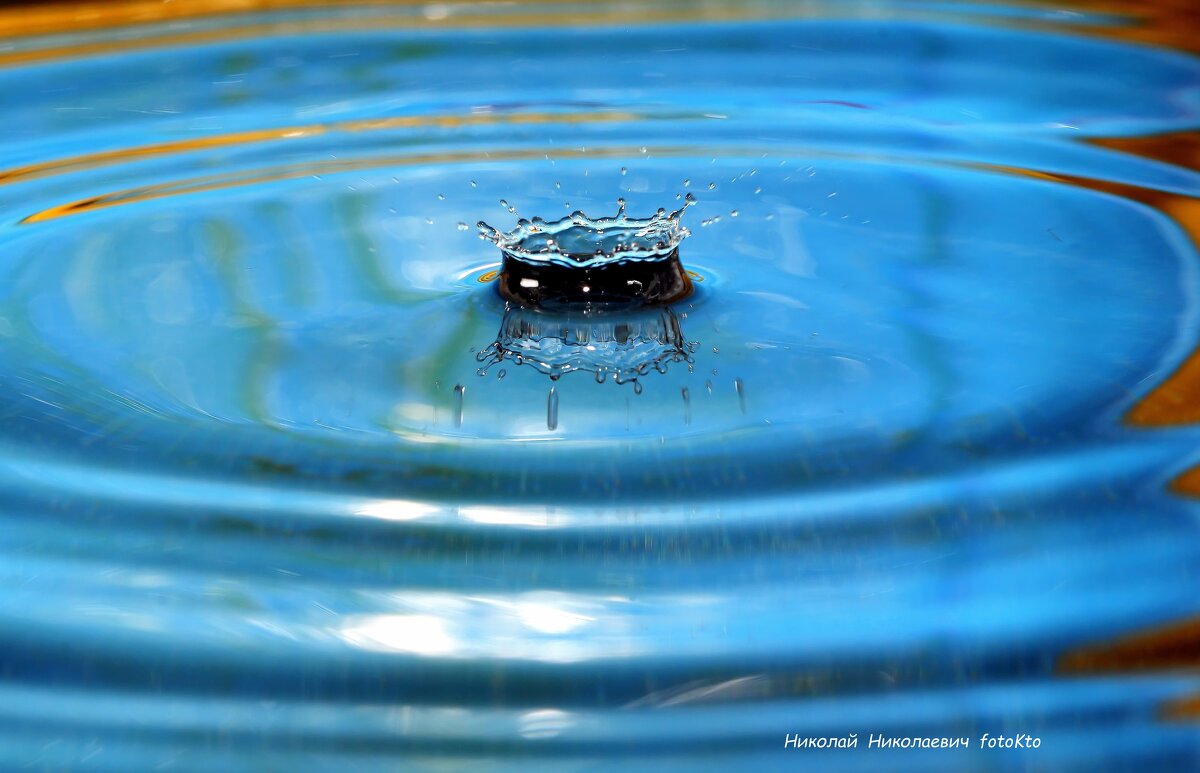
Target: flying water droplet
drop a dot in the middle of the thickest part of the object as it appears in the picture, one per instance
(459, 392)
(552, 410)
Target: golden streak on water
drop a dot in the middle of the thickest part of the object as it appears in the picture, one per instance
(291, 171)
(1174, 23)
(294, 171)
(79, 16)
(1176, 400)
(1167, 646)
(12, 24)
(1182, 709)
(112, 157)
(1171, 23)
(1171, 647)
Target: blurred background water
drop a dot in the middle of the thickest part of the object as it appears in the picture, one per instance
(928, 469)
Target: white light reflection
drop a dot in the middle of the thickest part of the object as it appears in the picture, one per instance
(396, 510)
(548, 612)
(543, 626)
(416, 634)
(544, 723)
(509, 516)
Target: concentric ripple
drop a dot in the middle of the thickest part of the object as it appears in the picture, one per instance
(262, 509)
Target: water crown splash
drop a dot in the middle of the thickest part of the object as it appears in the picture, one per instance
(592, 294)
(579, 260)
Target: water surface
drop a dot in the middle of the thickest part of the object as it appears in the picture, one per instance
(921, 467)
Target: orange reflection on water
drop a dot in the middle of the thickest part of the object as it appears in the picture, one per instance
(296, 171)
(112, 157)
(1177, 399)
(1171, 647)
(1174, 23)
(1171, 23)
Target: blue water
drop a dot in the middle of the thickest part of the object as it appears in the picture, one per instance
(259, 510)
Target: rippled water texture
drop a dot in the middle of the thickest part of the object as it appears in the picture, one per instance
(924, 471)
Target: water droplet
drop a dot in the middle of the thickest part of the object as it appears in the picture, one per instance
(687, 406)
(687, 183)
(741, 393)
(429, 221)
(624, 171)
(473, 184)
(459, 391)
(463, 226)
(441, 197)
(637, 387)
(733, 213)
(552, 410)
(501, 373)
(712, 186)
